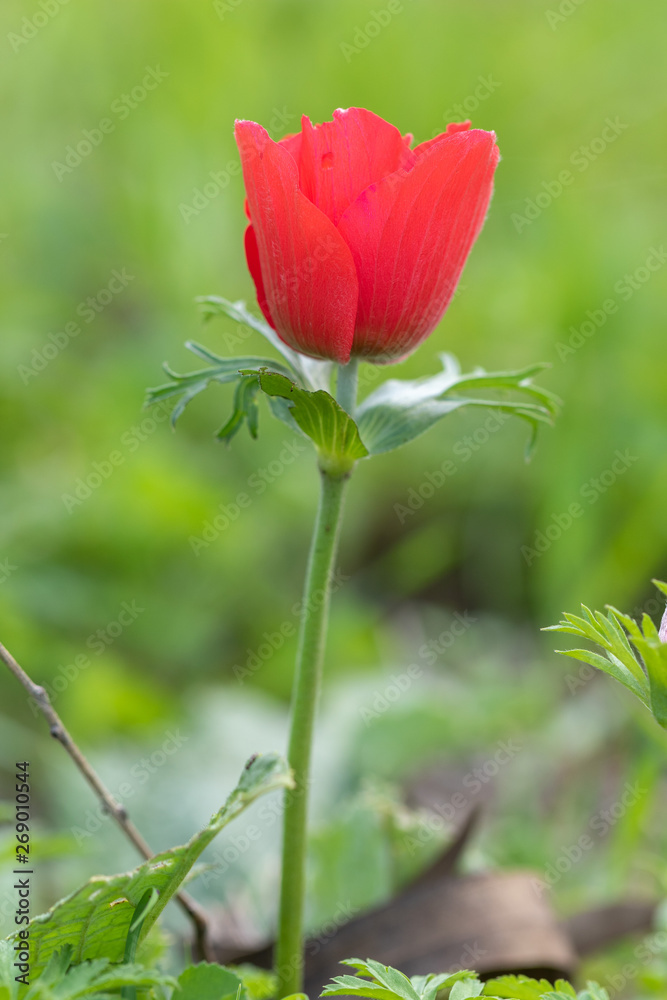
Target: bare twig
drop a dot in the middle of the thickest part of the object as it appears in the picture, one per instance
(118, 812)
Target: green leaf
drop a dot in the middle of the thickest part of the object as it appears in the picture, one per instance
(384, 983)
(96, 918)
(465, 989)
(8, 985)
(517, 988)
(332, 431)
(143, 908)
(642, 669)
(654, 655)
(99, 978)
(207, 981)
(245, 409)
(355, 987)
(611, 667)
(394, 980)
(593, 992)
(221, 370)
(399, 411)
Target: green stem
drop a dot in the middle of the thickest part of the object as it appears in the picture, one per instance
(324, 545)
(346, 387)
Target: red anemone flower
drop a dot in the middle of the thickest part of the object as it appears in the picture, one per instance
(357, 241)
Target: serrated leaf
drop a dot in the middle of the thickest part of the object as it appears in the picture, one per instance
(394, 980)
(332, 431)
(633, 654)
(465, 989)
(207, 981)
(385, 983)
(354, 987)
(95, 918)
(400, 410)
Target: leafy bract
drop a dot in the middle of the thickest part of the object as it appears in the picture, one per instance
(332, 431)
(632, 652)
(95, 920)
(399, 411)
(222, 370)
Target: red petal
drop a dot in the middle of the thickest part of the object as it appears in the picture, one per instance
(293, 143)
(458, 127)
(410, 236)
(453, 127)
(306, 271)
(252, 258)
(339, 159)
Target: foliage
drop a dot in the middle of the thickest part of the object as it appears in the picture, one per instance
(59, 980)
(96, 919)
(379, 982)
(643, 670)
(207, 981)
(524, 988)
(391, 416)
(400, 410)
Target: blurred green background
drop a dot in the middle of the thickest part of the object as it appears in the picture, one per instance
(155, 199)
